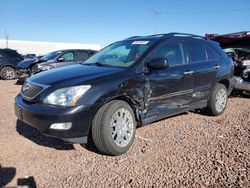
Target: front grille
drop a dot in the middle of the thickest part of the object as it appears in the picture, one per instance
(30, 90)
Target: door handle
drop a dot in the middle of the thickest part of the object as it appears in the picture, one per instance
(188, 72)
(216, 66)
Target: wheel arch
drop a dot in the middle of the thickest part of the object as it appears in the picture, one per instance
(132, 103)
(225, 82)
(8, 65)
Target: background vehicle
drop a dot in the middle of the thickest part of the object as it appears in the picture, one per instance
(8, 62)
(129, 83)
(237, 46)
(52, 60)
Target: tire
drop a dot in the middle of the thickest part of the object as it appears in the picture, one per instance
(218, 100)
(8, 73)
(108, 127)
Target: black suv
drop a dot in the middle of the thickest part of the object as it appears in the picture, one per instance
(52, 60)
(129, 83)
(8, 62)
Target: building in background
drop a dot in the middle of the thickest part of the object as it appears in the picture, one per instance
(41, 48)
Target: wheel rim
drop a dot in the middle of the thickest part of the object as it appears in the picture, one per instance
(221, 100)
(8, 73)
(122, 127)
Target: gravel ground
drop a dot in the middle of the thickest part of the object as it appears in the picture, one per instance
(189, 150)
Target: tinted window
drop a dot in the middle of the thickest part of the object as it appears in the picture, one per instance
(120, 54)
(68, 56)
(1, 58)
(196, 51)
(81, 55)
(212, 53)
(11, 54)
(172, 51)
(51, 56)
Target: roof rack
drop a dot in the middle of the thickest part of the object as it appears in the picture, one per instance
(133, 37)
(185, 35)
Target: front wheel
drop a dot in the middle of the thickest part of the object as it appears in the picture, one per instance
(8, 73)
(113, 128)
(218, 100)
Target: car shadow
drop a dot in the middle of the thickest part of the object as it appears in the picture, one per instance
(29, 182)
(19, 83)
(240, 94)
(6, 175)
(36, 137)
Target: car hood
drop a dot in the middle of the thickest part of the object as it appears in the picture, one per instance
(26, 63)
(72, 74)
(233, 40)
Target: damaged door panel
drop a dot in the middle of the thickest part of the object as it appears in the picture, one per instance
(169, 90)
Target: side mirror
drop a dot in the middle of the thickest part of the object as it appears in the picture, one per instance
(158, 64)
(61, 59)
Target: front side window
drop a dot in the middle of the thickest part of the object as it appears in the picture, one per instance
(120, 54)
(68, 56)
(172, 51)
(196, 51)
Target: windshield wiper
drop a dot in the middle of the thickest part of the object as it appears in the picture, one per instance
(97, 64)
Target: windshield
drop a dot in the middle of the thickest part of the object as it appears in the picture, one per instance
(51, 56)
(120, 54)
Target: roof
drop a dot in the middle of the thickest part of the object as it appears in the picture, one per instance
(168, 35)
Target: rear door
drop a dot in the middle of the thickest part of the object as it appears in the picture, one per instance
(205, 68)
(2, 61)
(169, 91)
(81, 56)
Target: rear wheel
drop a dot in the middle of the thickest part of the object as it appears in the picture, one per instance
(218, 100)
(113, 128)
(8, 73)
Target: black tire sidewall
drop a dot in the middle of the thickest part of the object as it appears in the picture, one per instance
(105, 131)
(212, 100)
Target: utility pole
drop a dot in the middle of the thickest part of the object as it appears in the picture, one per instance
(156, 14)
(7, 38)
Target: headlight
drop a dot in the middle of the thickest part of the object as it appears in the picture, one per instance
(40, 66)
(66, 96)
(44, 68)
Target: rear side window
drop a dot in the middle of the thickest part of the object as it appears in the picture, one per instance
(196, 51)
(11, 54)
(212, 53)
(1, 58)
(81, 55)
(172, 51)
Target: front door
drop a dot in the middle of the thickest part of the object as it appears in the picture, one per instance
(170, 90)
(68, 59)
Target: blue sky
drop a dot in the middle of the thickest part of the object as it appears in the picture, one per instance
(103, 22)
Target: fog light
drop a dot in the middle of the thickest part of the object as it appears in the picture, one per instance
(61, 126)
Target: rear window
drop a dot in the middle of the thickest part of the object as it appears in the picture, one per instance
(196, 51)
(11, 54)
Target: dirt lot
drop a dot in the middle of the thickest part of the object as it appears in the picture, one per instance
(189, 150)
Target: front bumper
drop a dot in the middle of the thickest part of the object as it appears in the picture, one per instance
(240, 84)
(22, 74)
(42, 116)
